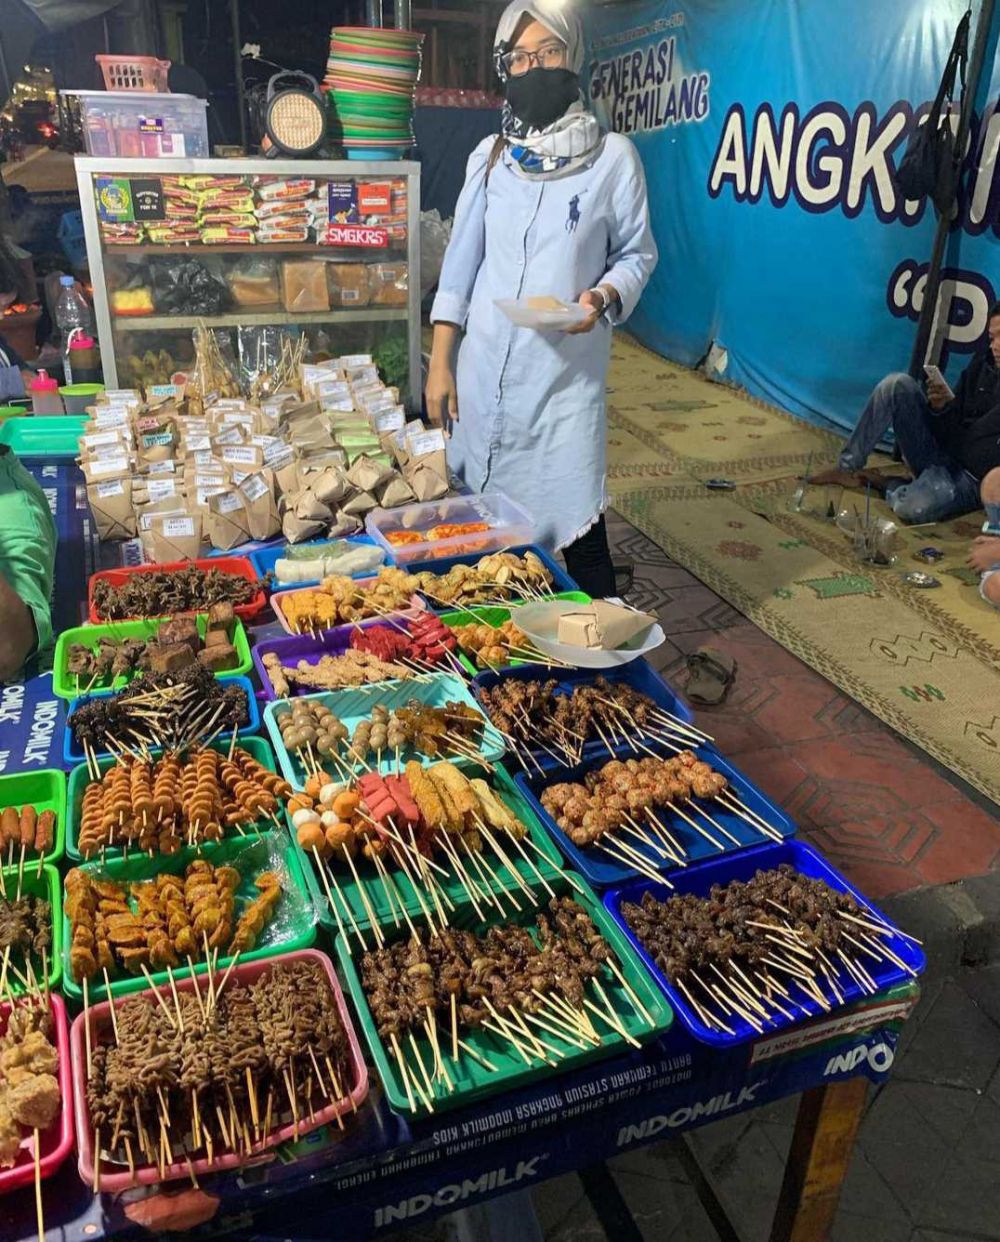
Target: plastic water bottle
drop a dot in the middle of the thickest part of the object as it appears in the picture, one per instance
(72, 314)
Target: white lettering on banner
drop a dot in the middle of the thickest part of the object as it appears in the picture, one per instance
(960, 318)
(818, 193)
(455, 1192)
(644, 1130)
(43, 726)
(770, 158)
(4, 760)
(11, 703)
(856, 1022)
(879, 1056)
(637, 91)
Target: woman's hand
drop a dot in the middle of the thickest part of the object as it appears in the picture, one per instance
(441, 395)
(592, 300)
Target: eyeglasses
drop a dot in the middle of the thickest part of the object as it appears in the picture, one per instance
(551, 56)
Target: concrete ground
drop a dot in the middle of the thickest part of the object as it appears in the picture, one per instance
(926, 1167)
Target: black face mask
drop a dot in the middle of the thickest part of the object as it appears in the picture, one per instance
(541, 96)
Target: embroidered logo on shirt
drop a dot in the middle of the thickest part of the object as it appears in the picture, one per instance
(573, 219)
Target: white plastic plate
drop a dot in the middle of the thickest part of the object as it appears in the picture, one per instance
(540, 622)
(525, 316)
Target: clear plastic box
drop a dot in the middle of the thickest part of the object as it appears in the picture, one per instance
(509, 525)
(144, 124)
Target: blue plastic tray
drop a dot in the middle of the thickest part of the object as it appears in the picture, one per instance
(73, 754)
(700, 879)
(640, 675)
(354, 705)
(603, 871)
(265, 559)
(561, 581)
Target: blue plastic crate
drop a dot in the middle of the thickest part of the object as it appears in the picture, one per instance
(640, 675)
(700, 879)
(264, 560)
(603, 871)
(73, 753)
(561, 581)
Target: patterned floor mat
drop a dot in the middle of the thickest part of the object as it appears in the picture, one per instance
(925, 662)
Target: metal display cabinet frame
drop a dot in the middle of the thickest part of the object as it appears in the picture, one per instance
(90, 167)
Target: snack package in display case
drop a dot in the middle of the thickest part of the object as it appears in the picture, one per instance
(303, 286)
(253, 282)
(388, 283)
(348, 284)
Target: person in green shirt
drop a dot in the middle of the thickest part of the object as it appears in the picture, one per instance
(27, 564)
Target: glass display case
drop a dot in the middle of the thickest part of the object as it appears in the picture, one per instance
(258, 250)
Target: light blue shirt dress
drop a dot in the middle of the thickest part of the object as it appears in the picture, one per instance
(531, 404)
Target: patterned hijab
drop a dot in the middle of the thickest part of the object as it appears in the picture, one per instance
(568, 142)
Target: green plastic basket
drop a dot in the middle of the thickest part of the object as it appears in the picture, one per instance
(293, 926)
(48, 886)
(43, 435)
(346, 891)
(45, 791)
(496, 616)
(79, 779)
(65, 685)
(473, 1081)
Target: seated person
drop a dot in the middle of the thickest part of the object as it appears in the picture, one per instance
(949, 444)
(27, 563)
(984, 555)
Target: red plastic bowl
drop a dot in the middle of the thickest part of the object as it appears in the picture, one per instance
(57, 1141)
(238, 565)
(148, 1174)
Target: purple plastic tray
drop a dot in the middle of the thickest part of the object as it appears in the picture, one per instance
(304, 647)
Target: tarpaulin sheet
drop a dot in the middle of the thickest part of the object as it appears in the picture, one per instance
(768, 132)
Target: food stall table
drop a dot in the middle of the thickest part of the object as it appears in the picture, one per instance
(383, 1174)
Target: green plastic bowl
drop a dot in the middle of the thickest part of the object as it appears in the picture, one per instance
(76, 397)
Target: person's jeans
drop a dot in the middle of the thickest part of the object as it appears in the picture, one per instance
(940, 487)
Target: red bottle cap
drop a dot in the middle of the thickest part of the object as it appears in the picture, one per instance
(83, 341)
(44, 383)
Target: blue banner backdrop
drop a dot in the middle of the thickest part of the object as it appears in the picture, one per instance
(768, 131)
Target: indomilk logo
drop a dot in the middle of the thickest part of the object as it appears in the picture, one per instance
(690, 1112)
(456, 1192)
(879, 1056)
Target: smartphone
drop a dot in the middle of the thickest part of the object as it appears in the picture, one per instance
(934, 373)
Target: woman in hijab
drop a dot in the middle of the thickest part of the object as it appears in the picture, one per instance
(550, 207)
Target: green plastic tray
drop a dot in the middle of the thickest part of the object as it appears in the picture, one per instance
(496, 616)
(49, 887)
(548, 865)
(43, 435)
(293, 926)
(473, 1081)
(65, 685)
(45, 791)
(79, 779)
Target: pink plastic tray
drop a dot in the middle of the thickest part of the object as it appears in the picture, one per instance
(148, 1174)
(57, 1141)
(417, 606)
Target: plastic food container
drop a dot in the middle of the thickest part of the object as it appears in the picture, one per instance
(603, 871)
(347, 891)
(238, 565)
(353, 706)
(148, 1175)
(76, 397)
(79, 779)
(57, 435)
(73, 752)
(293, 926)
(68, 686)
(508, 524)
(48, 886)
(473, 1081)
(299, 647)
(57, 1140)
(45, 791)
(640, 676)
(542, 319)
(495, 617)
(144, 125)
(561, 581)
(265, 559)
(742, 867)
(417, 605)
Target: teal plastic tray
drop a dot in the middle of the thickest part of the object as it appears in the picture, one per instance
(385, 904)
(79, 779)
(43, 435)
(292, 927)
(473, 1081)
(352, 706)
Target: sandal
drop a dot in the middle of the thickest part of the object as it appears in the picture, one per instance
(711, 673)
